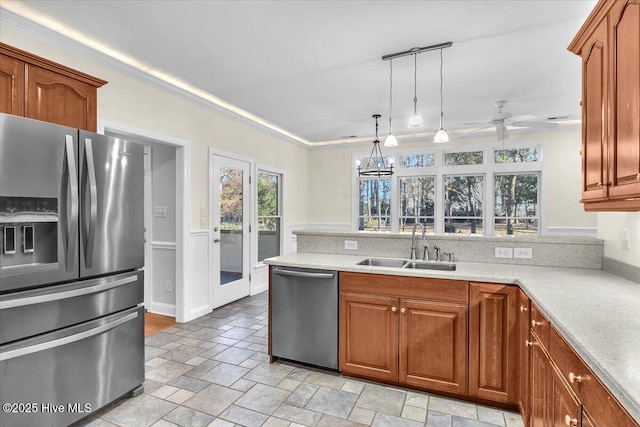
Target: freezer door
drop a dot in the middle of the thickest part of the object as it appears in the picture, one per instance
(38, 203)
(111, 205)
(57, 378)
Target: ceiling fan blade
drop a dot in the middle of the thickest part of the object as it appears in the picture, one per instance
(475, 123)
(540, 125)
(524, 118)
(472, 131)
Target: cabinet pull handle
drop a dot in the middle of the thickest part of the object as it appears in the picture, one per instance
(570, 421)
(403, 310)
(523, 308)
(574, 378)
(534, 323)
(528, 343)
(394, 309)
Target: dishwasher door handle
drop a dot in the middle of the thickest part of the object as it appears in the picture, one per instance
(303, 274)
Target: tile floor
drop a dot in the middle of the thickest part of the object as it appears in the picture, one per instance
(214, 371)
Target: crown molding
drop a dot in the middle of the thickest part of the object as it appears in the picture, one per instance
(77, 47)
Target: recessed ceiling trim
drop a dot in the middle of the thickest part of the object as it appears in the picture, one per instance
(24, 19)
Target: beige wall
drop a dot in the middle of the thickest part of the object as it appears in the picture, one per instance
(330, 178)
(131, 102)
(610, 225)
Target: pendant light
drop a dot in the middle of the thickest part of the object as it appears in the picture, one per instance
(415, 121)
(441, 135)
(376, 165)
(390, 140)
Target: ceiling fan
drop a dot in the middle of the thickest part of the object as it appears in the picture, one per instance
(505, 118)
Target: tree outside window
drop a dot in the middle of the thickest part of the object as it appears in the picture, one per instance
(463, 204)
(374, 204)
(417, 202)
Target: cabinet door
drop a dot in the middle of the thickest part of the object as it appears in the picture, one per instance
(493, 355)
(594, 114)
(55, 98)
(625, 138)
(11, 86)
(540, 387)
(369, 336)
(524, 354)
(433, 345)
(566, 407)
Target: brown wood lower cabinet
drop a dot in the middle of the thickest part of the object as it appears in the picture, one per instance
(524, 355)
(493, 355)
(395, 333)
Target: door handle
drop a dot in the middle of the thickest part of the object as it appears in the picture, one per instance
(216, 240)
(72, 226)
(93, 196)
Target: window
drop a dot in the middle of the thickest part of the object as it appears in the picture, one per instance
(417, 202)
(491, 190)
(463, 200)
(269, 214)
(374, 212)
(516, 204)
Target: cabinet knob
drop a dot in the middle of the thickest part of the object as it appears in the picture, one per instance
(523, 308)
(570, 421)
(573, 378)
(528, 343)
(403, 310)
(600, 185)
(638, 177)
(394, 309)
(534, 323)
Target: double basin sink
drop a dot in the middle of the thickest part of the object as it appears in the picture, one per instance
(403, 263)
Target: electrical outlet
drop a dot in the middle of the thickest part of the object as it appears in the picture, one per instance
(504, 252)
(168, 285)
(626, 239)
(160, 211)
(526, 253)
(351, 245)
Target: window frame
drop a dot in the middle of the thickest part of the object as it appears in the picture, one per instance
(263, 169)
(489, 168)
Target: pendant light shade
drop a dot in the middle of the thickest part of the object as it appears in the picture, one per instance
(441, 135)
(415, 121)
(390, 141)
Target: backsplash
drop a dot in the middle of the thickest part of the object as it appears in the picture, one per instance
(574, 252)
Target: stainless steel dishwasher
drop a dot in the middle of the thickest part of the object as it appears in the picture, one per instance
(304, 315)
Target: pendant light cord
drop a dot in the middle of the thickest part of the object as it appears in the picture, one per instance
(415, 83)
(390, 91)
(441, 113)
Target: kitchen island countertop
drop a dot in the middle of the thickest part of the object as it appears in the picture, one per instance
(597, 313)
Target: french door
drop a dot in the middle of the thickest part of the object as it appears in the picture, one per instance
(230, 226)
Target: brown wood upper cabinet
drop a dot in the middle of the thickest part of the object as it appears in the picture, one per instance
(493, 352)
(609, 45)
(37, 88)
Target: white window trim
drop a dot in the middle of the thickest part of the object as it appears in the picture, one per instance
(259, 168)
(488, 169)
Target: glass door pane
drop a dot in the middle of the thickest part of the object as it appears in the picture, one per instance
(231, 225)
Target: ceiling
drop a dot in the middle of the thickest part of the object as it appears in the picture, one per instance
(314, 68)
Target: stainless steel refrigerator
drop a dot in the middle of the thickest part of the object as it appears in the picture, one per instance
(72, 223)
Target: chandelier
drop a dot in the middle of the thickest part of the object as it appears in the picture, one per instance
(376, 165)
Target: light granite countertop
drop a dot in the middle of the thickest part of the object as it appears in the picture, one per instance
(598, 313)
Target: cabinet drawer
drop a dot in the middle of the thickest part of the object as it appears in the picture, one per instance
(603, 408)
(540, 326)
(405, 286)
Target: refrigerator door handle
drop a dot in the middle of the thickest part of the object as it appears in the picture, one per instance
(11, 354)
(93, 197)
(72, 226)
(56, 296)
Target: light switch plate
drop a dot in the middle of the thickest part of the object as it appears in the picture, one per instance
(626, 239)
(351, 245)
(504, 252)
(526, 253)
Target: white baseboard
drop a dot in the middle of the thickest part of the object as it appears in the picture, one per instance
(162, 308)
(199, 311)
(259, 289)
